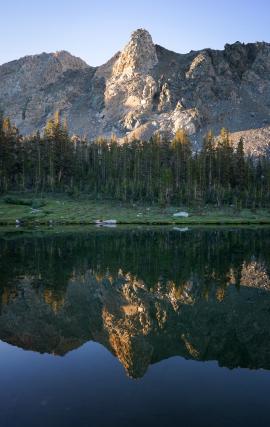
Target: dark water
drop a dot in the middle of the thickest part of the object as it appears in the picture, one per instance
(142, 327)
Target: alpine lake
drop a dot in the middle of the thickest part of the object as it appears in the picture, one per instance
(135, 326)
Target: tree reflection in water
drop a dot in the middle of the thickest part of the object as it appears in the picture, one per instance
(145, 294)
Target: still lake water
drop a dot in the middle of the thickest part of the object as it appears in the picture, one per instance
(135, 327)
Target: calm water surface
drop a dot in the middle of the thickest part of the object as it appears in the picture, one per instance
(135, 327)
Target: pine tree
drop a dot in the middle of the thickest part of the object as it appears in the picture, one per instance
(240, 164)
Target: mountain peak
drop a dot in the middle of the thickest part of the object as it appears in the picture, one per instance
(139, 55)
(69, 61)
(144, 90)
(141, 34)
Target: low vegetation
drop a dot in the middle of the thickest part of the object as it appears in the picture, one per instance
(57, 210)
(34, 203)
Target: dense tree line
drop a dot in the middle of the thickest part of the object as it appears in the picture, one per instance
(154, 171)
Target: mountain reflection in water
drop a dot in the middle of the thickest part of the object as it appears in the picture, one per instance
(145, 295)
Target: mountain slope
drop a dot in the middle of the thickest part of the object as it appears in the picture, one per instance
(142, 90)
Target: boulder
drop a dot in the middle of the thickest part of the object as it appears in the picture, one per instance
(181, 214)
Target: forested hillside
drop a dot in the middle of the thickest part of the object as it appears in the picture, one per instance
(156, 171)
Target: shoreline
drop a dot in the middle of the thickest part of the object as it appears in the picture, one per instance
(205, 221)
(60, 210)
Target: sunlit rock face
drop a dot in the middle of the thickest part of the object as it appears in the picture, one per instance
(143, 90)
(139, 56)
(130, 88)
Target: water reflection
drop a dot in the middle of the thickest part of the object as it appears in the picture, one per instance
(146, 295)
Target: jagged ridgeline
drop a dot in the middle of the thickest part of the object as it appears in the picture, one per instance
(144, 89)
(146, 295)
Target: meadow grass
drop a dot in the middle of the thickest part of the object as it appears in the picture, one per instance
(68, 211)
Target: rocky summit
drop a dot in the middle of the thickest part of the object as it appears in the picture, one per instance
(144, 89)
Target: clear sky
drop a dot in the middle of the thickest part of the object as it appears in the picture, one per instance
(96, 29)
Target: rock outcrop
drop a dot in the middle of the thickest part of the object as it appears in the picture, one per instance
(143, 90)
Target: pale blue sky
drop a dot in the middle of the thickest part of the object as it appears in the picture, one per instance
(95, 30)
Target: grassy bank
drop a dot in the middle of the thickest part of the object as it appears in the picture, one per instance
(67, 211)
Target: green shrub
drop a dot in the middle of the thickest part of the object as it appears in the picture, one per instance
(34, 203)
(15, 201)
(38, 203)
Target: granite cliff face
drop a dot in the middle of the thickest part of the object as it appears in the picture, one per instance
(143, 90)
